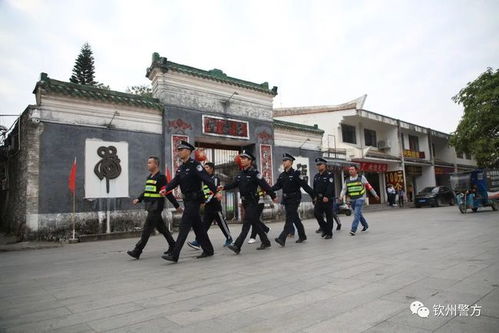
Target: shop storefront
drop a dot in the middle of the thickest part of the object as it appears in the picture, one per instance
(442, 175)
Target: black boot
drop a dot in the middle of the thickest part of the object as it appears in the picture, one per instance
(170, 251)
(301, 240)
(280, 242)
(234, 248)
(264, 246)
(318, 231)
(338, 227)
(204, 255)
(169, 257)
(134, 254)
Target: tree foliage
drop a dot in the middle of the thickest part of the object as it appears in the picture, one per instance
(141, 90)
(478, 130)
(84, 68)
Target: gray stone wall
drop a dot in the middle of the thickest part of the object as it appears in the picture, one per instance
(13, 199)
(60, 144)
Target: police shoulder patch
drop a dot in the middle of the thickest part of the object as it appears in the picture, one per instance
(330, 180)
(199, 168)
(259, 175)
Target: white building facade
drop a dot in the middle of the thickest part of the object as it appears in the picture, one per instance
(386, 149)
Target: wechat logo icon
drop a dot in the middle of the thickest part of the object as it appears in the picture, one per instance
(418, 308)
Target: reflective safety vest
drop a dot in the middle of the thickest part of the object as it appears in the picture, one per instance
(355, 188)
(207, 192)
(151, 190)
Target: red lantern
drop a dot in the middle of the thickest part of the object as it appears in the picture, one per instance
(200, 155)
(237, 160)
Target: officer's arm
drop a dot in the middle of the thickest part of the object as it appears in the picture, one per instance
(234, 184)
(265, 186)
(278, 185)
(141, 197)
(172, 184)
(172, 199)
(368, 186)
(307, 188)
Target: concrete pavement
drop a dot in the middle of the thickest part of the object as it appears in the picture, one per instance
(364, 283)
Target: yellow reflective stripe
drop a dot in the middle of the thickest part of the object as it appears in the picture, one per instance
(206, 191)
(151, 181)
(150, 188)
(355, 188)
(152, 195)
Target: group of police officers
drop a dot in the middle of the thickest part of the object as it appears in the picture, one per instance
(199, 185)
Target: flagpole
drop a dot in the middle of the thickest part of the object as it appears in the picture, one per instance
(73, 239)
(74, 215)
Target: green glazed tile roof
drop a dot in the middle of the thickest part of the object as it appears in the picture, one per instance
(49, 85)
(301, 127)
(214, 74)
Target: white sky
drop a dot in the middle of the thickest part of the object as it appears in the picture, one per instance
(410, 57)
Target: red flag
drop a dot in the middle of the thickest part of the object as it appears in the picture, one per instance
(72, 178)
(168, 179)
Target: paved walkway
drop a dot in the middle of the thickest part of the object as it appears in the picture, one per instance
(351, 284)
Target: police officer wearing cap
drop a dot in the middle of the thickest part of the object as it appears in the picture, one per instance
(248, 181)
(291, 182)
(190, 176)
(324, 196)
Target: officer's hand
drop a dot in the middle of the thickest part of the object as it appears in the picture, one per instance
(325, 199)
(135, 201)
(179, 209)
(220, 188)
(162, 193)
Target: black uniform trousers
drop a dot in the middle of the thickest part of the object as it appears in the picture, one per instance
(154, 220)
(251, 220)
(259, 212)
(213, 212)
(324, 208)
(191, 218)
(292, 219)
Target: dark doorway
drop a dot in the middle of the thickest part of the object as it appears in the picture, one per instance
(373, 179)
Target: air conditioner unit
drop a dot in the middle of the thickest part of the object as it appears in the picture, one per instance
(383, 145)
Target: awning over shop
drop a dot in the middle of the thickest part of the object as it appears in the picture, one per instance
(337, 164)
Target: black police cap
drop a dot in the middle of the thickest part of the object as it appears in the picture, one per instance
(247, 154)
(185, 145)
(287, 157)
(320, 160)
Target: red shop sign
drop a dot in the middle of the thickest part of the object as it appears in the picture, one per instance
(373, 167)
(225, 127)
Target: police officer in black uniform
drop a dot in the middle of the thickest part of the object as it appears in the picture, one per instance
(248, 181)
(291, 182)
(154, 203)
(324, 196)
(189, 177)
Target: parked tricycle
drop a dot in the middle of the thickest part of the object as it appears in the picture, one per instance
(475, 189)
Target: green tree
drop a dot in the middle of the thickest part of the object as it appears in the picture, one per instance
(84, 69)
(478, 129)
(141, 90)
